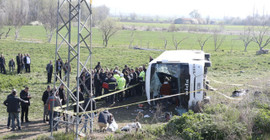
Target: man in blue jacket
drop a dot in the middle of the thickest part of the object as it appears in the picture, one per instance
(13, 107)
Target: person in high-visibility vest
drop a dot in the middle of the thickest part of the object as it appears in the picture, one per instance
(121, 85)
(116, 75)
(142, 80)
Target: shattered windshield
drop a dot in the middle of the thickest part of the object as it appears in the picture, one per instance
(174, 71)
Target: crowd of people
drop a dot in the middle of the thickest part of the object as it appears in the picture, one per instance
(101, 80)
(23, 63)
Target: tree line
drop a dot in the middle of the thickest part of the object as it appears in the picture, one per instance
(16, 13)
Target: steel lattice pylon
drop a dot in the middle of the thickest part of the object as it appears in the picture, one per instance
(69, 44)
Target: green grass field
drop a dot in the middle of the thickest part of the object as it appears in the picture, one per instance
(227, 62)
(230, 64)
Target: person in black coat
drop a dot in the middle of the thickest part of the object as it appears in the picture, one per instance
(13, 107)
(88, 81)
(98, 83)
(112, 87)
(49, 70)
(8, 123)
(59, 66)
(45, 97)
(81, 98)
(2, 64)
(25, 106)
(19, 63)
(98, 66)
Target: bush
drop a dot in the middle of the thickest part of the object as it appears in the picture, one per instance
(262, 122)
(204, 126)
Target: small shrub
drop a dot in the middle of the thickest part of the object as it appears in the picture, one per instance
(262, 121)
(204, 126)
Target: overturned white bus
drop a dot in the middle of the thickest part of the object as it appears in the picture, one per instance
(186, 71)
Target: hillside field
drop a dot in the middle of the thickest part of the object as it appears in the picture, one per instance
(230, 64)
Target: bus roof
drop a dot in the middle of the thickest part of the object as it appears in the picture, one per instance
(182, 56)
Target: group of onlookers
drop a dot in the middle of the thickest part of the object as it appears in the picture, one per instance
(59, 66)
(23, 63)
(15, 105)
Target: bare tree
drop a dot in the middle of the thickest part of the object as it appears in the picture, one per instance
(172, 28)
(218, 39)
(261, 37)
(176, 43)
(133, 16)
(48, 17)
(17, 13)
(246, 37)
(100, 13)
(108, 28)
(34, 10)
(2, 14)
(201, 40)
(195, 14)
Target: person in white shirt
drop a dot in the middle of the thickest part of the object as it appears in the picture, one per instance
(28, 62)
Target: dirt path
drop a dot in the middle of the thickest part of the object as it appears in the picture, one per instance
(29, 130)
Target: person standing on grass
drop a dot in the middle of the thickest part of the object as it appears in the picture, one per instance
(27, 64)
(11, 65)
(53, 101)
(25, 106)
(2, 64)
(8, 123)
(67, 69)
(24, 61)
(62, 94)
(13, 105)
(19, 63)
(49, 70)
(45, 97)
(59, 65)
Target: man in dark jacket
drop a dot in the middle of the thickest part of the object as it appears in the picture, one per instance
(98, 83)
(11, 65)
(58, 66)
(104, 120)
(81, 98)
(8, 123)
(112, 87)
(2, 64)
(19, 63)
(88, 81)
(98, 66)
(25, 106)
(45, 97)
(133, 81)
(49, 70)
(13, 105)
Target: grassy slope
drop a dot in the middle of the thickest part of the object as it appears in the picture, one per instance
(226, 67)
(227, 64)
